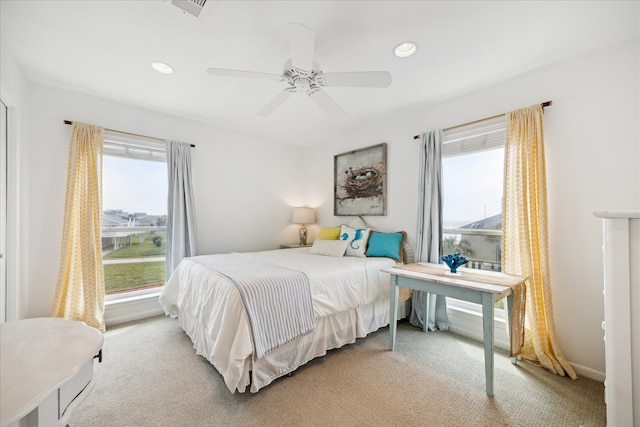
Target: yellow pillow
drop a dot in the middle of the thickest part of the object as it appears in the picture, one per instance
(329, 233)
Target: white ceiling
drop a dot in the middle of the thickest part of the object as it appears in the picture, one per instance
(104, 48)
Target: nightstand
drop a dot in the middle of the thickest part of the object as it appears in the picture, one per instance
(294, 245)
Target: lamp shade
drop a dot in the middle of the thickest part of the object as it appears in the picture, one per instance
(303, 216)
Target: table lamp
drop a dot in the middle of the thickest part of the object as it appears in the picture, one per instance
(303, 216)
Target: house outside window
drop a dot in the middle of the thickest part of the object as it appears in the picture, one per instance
(134, 218)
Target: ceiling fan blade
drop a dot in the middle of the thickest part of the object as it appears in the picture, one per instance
(302, 41)
(246, 74)
(356, 79)
(328, 104)
(275, 103)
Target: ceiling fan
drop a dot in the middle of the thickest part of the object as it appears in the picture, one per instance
(302, 74)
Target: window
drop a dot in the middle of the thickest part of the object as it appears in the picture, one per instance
(134, 184)
(472, 175)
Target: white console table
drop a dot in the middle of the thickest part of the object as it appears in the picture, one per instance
(621, 250)
(46, 369)
(482, 287)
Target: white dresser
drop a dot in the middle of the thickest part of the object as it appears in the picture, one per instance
(621, 254)
(46, 370)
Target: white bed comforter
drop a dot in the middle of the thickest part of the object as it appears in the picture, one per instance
(211, 312)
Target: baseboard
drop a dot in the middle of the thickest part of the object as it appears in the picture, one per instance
(585, 371)
(469, 324)
(131, 309)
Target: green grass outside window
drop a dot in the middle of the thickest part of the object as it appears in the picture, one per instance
(135, 275)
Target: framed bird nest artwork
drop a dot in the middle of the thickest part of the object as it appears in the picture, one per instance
(360, 182)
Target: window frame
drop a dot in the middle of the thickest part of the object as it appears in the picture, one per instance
(482, 135)
(123, 145)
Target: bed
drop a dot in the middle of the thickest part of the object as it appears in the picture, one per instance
(349, 298)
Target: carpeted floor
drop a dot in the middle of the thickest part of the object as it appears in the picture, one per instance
(151, 376)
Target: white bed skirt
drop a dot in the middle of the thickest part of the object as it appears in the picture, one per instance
(331, 332)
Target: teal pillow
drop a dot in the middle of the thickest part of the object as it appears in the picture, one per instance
(385, 245)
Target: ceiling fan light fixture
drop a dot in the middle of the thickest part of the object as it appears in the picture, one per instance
(302, 74)
(162, 67)
(405, 49)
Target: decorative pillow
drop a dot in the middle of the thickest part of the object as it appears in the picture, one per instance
(408, 256)
(386, 245)
(358, 222)
(334, 248)
(329, 233)
(357, 240)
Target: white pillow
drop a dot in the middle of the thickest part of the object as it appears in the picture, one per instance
(334, 248)
(357, 238)
(358, 222)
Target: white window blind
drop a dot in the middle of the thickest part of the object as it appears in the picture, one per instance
(135, 147)
(483, 135)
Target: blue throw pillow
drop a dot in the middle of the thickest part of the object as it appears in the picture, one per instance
(385, 245)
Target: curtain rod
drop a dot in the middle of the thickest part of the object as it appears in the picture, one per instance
(69, 122)
(544, 104)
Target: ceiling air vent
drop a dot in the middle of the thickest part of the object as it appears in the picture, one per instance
(192, 7)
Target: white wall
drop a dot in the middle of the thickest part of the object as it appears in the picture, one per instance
(592, 146)
(244, 187)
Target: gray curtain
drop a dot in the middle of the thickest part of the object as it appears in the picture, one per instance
(181, 221)
(429, 233)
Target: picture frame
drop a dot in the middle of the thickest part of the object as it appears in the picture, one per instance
(360, 182)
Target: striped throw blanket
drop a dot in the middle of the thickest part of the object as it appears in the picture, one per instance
(277, 299)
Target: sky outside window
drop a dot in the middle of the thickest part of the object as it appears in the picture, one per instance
(472, 186)
(134, 185)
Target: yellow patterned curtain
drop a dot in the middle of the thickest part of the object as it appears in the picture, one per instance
(80, 288)
(525, 237)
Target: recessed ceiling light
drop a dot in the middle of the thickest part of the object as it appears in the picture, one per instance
(405, 49)
(161, 67)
